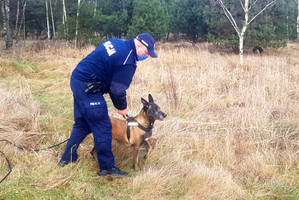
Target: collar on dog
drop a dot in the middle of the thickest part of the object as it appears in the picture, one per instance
(133, 122)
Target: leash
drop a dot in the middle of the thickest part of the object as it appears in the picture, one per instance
(23, 149)
(28, 149)
(9, 166)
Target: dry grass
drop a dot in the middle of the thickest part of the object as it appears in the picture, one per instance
(232, 131)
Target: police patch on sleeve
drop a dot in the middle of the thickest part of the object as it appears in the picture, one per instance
(109, 48)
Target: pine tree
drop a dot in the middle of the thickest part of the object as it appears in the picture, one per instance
(188, 19)
(149, 16)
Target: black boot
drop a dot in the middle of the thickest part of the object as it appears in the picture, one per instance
(112, 171)
(63, 163)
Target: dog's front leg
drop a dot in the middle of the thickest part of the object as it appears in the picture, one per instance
(147, 148)
(149, 144)
(136, 158)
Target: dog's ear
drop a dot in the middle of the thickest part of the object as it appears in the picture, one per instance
(150, 98)
(144, 102)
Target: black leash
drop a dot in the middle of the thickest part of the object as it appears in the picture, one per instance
(23, 149)
(9, 166)
(30, 149)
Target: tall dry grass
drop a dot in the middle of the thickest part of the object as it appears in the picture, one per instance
(238, 122)
(231, 132)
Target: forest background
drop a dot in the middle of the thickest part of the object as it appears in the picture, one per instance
(92, 21)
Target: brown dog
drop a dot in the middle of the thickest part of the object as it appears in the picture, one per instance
(136, 131)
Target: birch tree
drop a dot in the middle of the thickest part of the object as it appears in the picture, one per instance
(80, 3)
(64, 19)
(52, 18)
(246, 5)
(3, 18)
(77, 24)
(297, 20)
(48, 23)
(95, 8)
(22, 23)
(17, 16)
(6, 23)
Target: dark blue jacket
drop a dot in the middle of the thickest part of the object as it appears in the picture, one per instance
(114, 62)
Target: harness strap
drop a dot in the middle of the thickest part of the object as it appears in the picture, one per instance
(149, 129)
(133, 122)
(128, 133)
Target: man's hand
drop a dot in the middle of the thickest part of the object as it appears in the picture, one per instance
(123, 112)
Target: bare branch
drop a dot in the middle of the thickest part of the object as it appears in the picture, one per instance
(269, 4)
(229, 16)
(253, 4)
(81, 4)
(242, 4)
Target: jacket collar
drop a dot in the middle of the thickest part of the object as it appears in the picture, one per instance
(132, 44)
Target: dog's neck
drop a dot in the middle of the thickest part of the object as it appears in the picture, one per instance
(143, 119)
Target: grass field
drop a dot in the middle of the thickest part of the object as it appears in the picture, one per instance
(232, 132)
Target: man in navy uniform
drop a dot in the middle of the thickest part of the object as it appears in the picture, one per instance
(108, 69)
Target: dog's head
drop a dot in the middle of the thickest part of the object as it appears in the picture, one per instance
(152, 110)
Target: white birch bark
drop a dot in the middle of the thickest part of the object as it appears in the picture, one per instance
(64, 19)
(18, 27)
(77, 23)
(22, 22)
(48, 24)
(297, 20)
(52, 17)
(3, 17)
(95, 8)
(17, 18)
(246, 22)
(6, 24)
(241, 35)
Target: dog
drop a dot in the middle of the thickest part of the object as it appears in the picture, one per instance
(137, 131)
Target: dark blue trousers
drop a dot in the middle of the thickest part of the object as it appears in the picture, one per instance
(90, 115)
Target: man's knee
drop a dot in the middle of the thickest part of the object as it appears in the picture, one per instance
(103, 144)
(102, 140)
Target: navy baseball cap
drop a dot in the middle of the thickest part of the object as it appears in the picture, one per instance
(148, 41)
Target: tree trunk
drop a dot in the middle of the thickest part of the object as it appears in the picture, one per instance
(22, 22)
(6, 24)
(64, 19)
(241, 48)
(48, 24)
(52, 17)
(242, 33)
(298, 22)
(3, 18)
(17, 19)
(77, 24)
(287, 27)
(95, 8)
